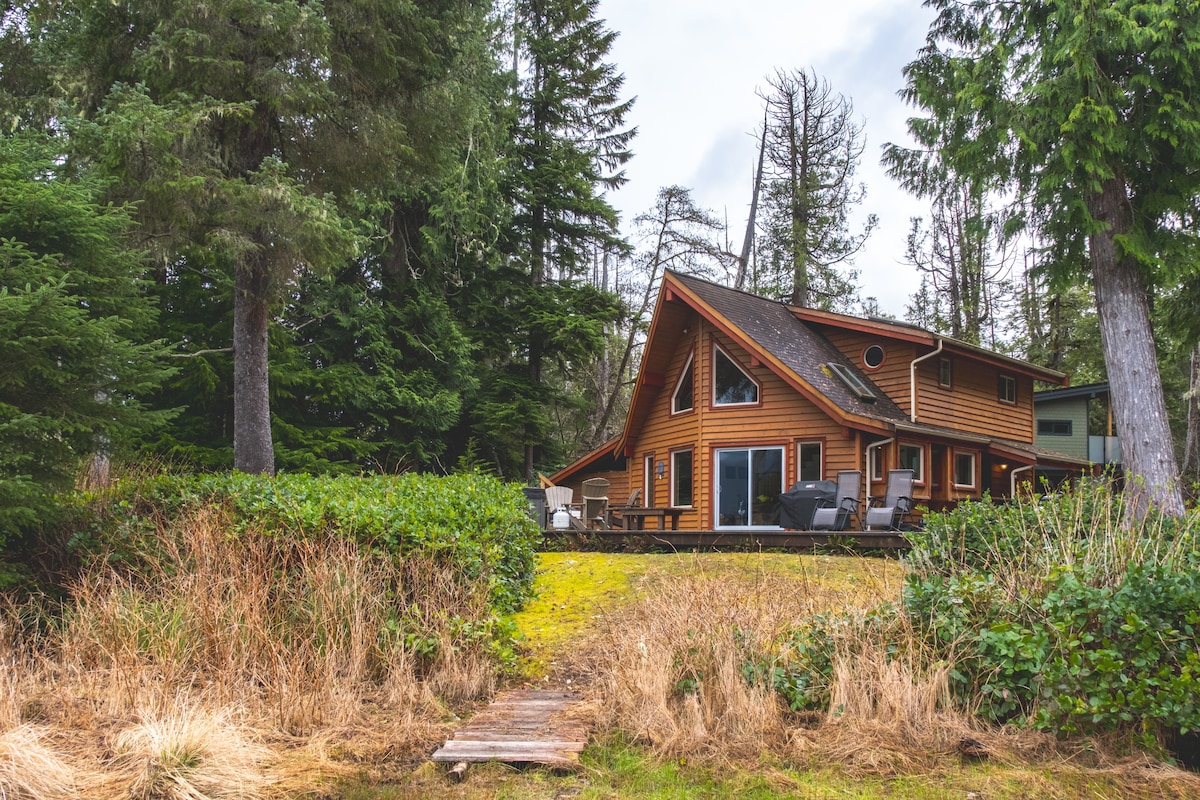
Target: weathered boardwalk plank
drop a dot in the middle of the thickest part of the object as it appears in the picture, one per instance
(522, 727)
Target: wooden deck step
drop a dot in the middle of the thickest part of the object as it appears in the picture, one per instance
(522, 726)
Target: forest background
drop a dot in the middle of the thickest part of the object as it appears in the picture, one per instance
(377, 236)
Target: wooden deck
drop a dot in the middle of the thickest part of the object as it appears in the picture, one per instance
(739, 540)
(522, 727)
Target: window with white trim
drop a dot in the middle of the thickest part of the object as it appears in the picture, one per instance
(732, 386)
(876, 463)
(681, 478)
(1006, 389)
(684, 397)
(912, 456)
(810, 461)
(964, 469)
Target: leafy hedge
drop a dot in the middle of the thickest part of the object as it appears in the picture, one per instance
(472, 522)
(1060, 615)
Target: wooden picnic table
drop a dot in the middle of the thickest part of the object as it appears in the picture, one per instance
(634, 519)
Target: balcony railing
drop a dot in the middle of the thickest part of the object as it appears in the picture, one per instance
(1104, 449)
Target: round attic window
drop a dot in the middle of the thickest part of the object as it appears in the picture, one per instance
(873, 357)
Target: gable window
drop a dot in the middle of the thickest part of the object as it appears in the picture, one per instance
(682, 400)
(809, 461)
(1054, 427)
(1007, 389)
(681, 478)
(912, 456)
(944, 373)
(964, 470)
(731, 385)
(873, 357)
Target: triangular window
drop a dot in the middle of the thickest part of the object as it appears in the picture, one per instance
(731, 385)
(684, 397)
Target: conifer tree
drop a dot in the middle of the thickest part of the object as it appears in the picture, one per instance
(812, 146)
(1080, 110)
(569, 144)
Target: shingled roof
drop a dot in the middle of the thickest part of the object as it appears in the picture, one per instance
(800, 348)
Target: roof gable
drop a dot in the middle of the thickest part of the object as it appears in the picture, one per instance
(769, 332)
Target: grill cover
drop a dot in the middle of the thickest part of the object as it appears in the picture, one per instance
(796, 506)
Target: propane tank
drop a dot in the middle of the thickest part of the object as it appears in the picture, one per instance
(562, 519)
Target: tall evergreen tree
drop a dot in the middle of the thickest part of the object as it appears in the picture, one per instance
(255, 132)
(74, 319)
(1080, 109)
(569, 144)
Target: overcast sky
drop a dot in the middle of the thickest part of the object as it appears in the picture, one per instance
(695, 67)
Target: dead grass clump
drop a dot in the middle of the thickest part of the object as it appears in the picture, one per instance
(890, 706)
(685, 669)
(187, 754)
(215, 642)
(305, 630)
(31, 770)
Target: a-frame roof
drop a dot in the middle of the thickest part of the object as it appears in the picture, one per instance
(771, 333)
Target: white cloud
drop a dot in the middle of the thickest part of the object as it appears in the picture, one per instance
(695, 66)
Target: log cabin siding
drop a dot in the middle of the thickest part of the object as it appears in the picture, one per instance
(972, 403)
(892, 377)
(782, 417)
(664, 431)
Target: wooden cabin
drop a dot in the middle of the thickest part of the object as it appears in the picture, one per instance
(739, 397)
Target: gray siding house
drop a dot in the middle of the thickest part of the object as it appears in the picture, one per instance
(1062, 423)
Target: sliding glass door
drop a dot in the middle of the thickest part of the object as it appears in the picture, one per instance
(749, 482)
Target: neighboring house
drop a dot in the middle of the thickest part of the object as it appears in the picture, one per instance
(739, 397)
(1062, 417)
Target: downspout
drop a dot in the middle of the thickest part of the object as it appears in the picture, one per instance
(912, 378)
(1012, 477)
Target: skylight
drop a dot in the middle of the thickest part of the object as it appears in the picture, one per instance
(853, 382)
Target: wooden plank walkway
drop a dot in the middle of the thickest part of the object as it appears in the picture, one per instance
(522, 726)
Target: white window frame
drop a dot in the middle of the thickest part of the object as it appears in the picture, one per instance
(971, 454)
(648, 493)
(875, 468)
(757, 386)
(1005, 381)
(946, 371)
(919, 471)
(820, 445)
(687, 367)
(717, 484)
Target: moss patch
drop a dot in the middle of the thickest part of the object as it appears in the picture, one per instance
(575, 589)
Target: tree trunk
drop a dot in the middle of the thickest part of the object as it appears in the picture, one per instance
(748, 240)
(1191, 446)
(252, 449)
(1152, 477)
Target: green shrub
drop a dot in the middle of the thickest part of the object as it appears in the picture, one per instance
(473, 522)
(1060, 615)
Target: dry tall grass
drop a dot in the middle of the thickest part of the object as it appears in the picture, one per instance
(188, 671)
(673, 667)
